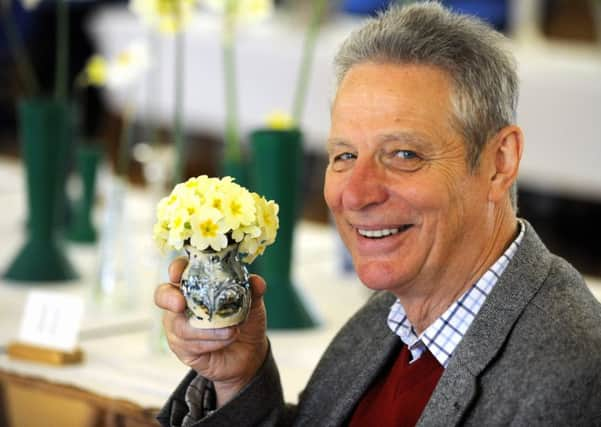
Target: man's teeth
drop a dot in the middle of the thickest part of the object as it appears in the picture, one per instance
(378, 233)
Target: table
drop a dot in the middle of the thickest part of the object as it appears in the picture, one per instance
(126, 374)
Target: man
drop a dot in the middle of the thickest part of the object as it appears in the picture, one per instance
(476, 322)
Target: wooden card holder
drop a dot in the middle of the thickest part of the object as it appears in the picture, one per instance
(32, 353)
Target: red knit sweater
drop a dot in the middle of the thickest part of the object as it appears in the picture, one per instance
(398, 397)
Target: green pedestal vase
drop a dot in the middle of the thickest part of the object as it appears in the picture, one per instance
(275, 173)
(43, 131)
(81, 228)
(236, 168)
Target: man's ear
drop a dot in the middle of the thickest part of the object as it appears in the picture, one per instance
(507, 147)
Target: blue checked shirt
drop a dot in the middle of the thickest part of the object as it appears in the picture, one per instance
(444, 335)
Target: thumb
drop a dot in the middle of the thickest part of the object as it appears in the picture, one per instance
(258, 286)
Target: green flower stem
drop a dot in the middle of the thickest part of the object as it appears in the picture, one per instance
(62, 50)
(180, 142)
(151, 131)
(300, 93)
(232, 137)
(122, 166)
(26, 72)
(80, 92)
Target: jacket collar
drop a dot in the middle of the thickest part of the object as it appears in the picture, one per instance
(488, 333)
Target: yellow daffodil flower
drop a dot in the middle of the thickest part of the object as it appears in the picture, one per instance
(168, 16)
(125, 68)
(279, 120)
(128, 65)
(95, 71)
(242, 10)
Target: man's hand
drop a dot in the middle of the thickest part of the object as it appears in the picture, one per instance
(230, 357)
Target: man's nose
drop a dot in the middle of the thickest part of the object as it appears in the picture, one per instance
(365, 187)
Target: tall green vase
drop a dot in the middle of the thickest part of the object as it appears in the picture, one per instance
(275, 173)
(81, 227)
(44, 125)
(236, 168)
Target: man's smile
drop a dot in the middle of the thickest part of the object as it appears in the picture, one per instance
(378, 233)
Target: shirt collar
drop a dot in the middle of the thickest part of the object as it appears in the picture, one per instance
(443, 336)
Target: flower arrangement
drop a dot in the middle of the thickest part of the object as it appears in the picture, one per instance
(211, 213)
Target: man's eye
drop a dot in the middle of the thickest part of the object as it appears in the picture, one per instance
(342, 161)
(403, 160)
(344, 156)
(405, 154)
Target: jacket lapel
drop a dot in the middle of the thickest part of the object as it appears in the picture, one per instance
(362, 371)
(457, 388)
(345, 379)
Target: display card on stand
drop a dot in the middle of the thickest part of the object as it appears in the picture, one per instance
(49, 329)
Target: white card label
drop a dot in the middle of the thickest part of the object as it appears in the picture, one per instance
(51, 320)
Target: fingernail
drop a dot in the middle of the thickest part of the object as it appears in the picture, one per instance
(222, 333)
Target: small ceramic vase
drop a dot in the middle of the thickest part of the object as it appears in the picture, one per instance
(216, 288)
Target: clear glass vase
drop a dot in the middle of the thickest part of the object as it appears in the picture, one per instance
(116, 284)
(216, 288)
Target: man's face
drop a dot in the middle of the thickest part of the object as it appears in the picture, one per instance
(397, 183)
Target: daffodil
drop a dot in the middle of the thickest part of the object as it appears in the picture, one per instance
(95, 71)
(168, 16)
(122, 70)
(128, 65)
(279, 120)
(241, 10)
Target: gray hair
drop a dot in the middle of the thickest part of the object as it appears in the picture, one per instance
(485, 83)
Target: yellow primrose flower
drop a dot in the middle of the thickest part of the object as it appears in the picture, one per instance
(160, 235)
(168, 16)
(210, 213)
(267, 218)
(239, 208)
(251, 231)
(181, 228)
(252, 248)
(208, 230)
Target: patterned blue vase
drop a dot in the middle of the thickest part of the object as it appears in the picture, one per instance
(216, 288)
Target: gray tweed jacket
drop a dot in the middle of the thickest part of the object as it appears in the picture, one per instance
(532, 357)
